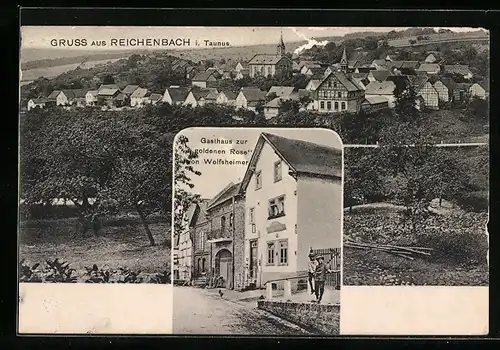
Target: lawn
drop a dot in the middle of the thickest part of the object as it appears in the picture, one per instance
(118, 245)
(458, 239)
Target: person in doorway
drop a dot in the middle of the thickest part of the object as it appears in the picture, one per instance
(320, 278)
(311, 271)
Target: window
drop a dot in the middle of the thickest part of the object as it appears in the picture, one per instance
(343, 105)
(276, 207)
(268, 70)
(329, 84)
(251, 215)
(231, 220)
(335, 84)
(283, 253)
(329, 105)
(322, 105)
(222, 225)
(203, 265)
(277, 171)
(258, 179)
(202, 240)
(339, 94)
(270, 253)
(336, 105)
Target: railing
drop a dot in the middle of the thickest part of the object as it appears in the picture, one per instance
(217, 234)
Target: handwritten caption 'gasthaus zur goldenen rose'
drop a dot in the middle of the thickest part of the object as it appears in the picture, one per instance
(217, 151)
(134, 42)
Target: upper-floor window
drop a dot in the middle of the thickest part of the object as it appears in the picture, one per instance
(329, 84)
(339, 94)
(335, 84)
(202, 240)
(231, 221)
(277, 171)
(258, 179)
(276, 207)
(270, 253)
(251, 215)
(322, 104)
(283, 252)
(223, 224)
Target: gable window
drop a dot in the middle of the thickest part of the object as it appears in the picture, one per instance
(251, 215)
(336, 105)
(258, 179)
(283, 252)
(343, 106)
(276, 207)
(335, 84)
(277, 171)
(329, 84)
(322, 104)
(339, 94)
(329, 105)
(270, 253)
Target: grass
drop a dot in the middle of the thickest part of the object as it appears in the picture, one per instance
(459, 242)
(121, 245)
(451, 126)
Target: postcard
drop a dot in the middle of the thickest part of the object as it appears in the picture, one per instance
(254, 180)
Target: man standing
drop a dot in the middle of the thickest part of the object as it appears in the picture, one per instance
(311, 270)
(320, 278)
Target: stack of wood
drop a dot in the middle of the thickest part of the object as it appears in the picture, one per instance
(404, 252)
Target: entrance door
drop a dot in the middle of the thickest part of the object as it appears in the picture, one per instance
(253, 259)
(223, 266)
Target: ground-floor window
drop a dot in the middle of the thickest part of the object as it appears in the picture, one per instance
(270, 253)
(343, 106)
(283, 246)
(322, 105)
(336, 105)
(329, 105)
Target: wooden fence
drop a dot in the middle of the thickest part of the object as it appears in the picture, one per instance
(332, 260)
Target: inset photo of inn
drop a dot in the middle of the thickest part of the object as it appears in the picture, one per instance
(257, 231)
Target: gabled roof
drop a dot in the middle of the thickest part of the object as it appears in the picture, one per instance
(204, 76)
(410, 64)
(399, 80)
(485, 84)
(380, 88)
(92, 92)
(229, 94)
(463, 86)
(379, 62)
(281, 91)
(301, 156)
(54, 94)
(178, 94)
(315, 82)
(449, 83)
(228, 192)
(380, 75)
(253, 94)
(374, 100)
(75, 93)
(129, 89)
(359, 75)
(155, 97)
(429, 67)
(108, 86)
(274, 103)
(243, 64)
(107, 91)
(266, 59)
(38, 100)
(139, 93)
(120, 97)
(318, 72)
(419, 82)
(457, 68)
(207, 93)
(344, 79)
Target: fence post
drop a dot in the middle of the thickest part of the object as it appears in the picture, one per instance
(287, 290)
(269, 290)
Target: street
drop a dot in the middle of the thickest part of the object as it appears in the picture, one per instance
(202, 311)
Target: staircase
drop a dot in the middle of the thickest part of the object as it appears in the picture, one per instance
(200, 282)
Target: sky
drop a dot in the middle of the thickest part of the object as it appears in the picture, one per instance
(41, 36)
(214, 178)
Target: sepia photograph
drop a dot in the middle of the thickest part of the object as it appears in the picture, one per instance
(141, 150)
(257, 231)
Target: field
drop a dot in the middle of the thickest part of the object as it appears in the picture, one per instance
(441, 38)
(120, 244)
(459, 241)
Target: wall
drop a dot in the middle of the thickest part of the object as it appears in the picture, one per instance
(442, 91)
(190, 100)
(241, 101)
(319, 216)
(259, 200)
(315, 318)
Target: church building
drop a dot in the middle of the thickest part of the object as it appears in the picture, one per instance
(268, 64)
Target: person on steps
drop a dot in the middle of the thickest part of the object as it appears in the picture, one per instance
(311, 270)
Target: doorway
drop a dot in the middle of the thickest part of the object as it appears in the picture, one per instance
(253, 259)
(223, 267)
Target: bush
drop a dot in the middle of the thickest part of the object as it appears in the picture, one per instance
(474, 201)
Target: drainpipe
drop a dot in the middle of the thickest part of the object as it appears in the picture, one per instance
(234, 229)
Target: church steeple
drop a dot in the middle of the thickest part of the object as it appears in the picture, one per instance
(343, 62)
(281, 46)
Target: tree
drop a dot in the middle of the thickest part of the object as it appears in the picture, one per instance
(108, 79)
(183, 170)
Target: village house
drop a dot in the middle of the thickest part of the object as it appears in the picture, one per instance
(313, 84)
(129, 90)
(200, 97)
(451, 86)
(442, 90)
(139, 97)
(374, 103)
(242, 74)
(270, 65)
(424, 88)
(361, 79)
(200, 228)
(249, 98)
(329, 69)
(293, 201)
(458, 69)
(227, 97)
(190, 72)
(175, 95)
(91, 97)
(226, 212)
(476, 90)
(241, 66)
(280, 91)
(58, 97)
(383, 89)
(461, 92)
(76, 97)
(205, 79)
(106, 94)
(36, 103)
(271, 108)
(153, 99)
(430, 68)
(338, 93)
(378, 75)
(179, 65)
(378, 63)
(430, 58)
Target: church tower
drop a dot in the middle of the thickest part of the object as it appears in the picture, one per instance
(343, 62)
(281, 46)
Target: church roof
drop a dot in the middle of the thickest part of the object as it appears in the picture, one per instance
(266, 59)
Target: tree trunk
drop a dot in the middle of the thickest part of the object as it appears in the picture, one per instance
(145, 225)
(440, 201)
